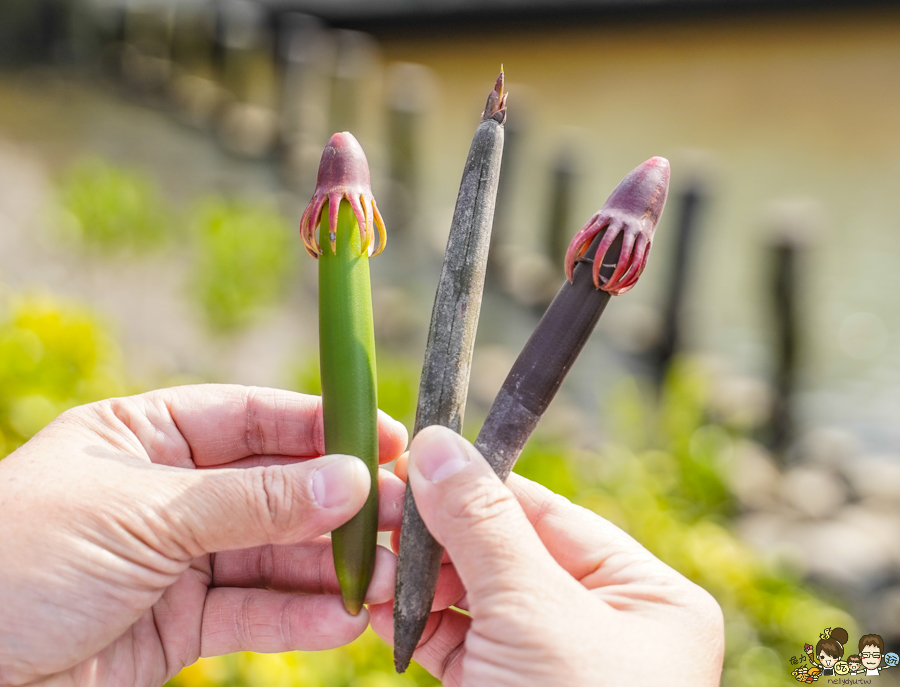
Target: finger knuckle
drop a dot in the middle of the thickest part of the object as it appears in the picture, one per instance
(275, 497)
(484, 501)
(243, 621)
(261, 437)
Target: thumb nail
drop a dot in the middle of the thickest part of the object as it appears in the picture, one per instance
(334, 484)
(439, 455)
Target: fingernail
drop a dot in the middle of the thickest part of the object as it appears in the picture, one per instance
(334, 484)
(440, 456)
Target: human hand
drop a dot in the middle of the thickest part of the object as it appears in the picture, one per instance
(112, 517)
(557, 595)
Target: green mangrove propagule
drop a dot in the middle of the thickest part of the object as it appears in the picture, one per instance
(347, 339)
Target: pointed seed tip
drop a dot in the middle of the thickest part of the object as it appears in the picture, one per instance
(353, 606)
(340, 139)
(658, 162)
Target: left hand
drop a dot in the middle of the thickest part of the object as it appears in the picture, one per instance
(112, 517)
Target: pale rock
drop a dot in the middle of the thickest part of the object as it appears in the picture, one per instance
(831, 447)
(814, 492)
(876, 478)
(754, 477)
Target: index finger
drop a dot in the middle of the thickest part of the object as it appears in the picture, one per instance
(590, 548)
(216, 424)
(578, 539)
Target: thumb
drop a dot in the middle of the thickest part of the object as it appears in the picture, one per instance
(232, 508)
(476, 518)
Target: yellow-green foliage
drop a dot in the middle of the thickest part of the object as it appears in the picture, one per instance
(242, 253)
(661, 480)
(243, 262)
(398, 385)
(367, 662)
(53, 355)
(114, 208)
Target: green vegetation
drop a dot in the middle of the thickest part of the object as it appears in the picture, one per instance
(366, 662)
(114, 209)
(53, 356)
(241, 250)
(398, 385)
(244, 258)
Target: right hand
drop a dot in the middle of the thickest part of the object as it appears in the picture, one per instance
(557, 595)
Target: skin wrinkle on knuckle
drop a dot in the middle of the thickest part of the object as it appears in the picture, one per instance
(554, 506)
(254, 436)
(509, 604)
(265, 566)
(454, 656)
(109, 425)
(282, 412)
(285, 626)
(278, 493)
(624, 565)
(480, 502)
(426, 643)
(324, 558)
(317, 431)
(243, 625)
(184, 457)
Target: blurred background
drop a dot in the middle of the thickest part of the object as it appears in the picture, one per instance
(737, 412)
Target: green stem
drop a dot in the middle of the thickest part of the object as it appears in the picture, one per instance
(349, 397)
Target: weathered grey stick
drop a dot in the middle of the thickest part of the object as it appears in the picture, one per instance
(448, 357)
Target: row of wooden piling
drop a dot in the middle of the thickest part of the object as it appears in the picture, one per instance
(271, 82)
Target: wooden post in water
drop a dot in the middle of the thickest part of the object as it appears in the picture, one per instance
(785, 256)
(560, 218)
(503, 231)
(304, 49)
(792, 231)
(355, 57)
(690, 202)
(408, 92)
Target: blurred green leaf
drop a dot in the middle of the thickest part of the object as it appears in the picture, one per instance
(53, 355)
(244, 259)
(113, 208)
(366, 662)
(398, 385)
